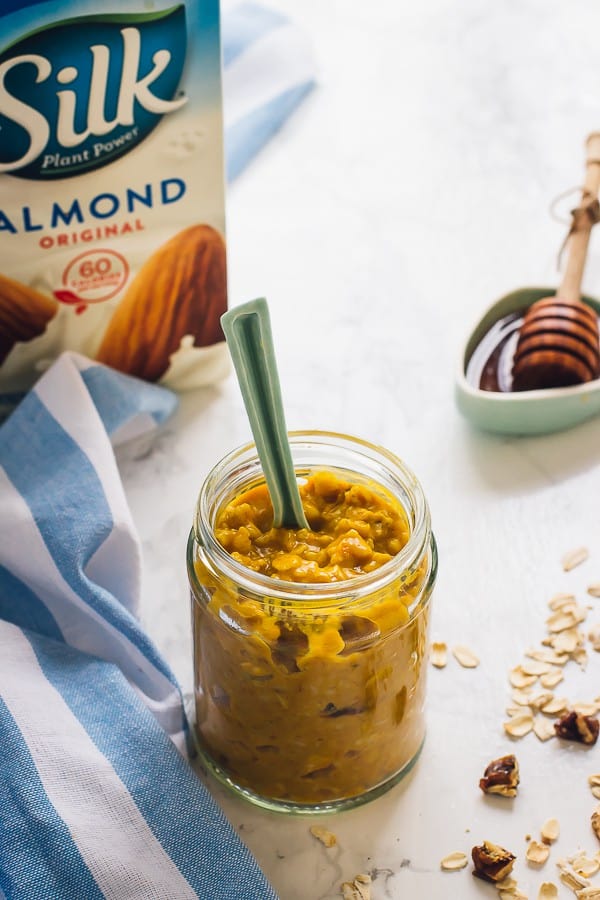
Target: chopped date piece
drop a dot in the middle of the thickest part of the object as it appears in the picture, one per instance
(291, 643)
(501, 777)
(319, 773)
(332, 711)
(574, 726)
(491, 862)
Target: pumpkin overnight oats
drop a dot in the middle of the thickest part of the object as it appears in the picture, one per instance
(310, 644)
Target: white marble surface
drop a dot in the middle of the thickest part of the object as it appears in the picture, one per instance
(410, 191)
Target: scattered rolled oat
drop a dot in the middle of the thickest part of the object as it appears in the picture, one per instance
(574, 558)
(548, 656)
(537, 853)
(327, 838)
(359, 889)
(501, 776)
(519, 725)
(596, 823)
(583, 865)
(560, 600)
(567, 641)
(594, 783)
(522, 698)
(585, 709)
(543, 728)
(550, 831)
(570, 877)
(541, 700)
(492, 862)
(454, 861)
(556, 706)
(594, 636)
(466, 657)
(519, 679)
(578, 612)
(551, 679)
(576, 727)
(439, 654)
(508, 889)
(565, 618)
(535, 667)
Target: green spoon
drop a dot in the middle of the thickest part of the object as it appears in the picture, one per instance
(250, 341)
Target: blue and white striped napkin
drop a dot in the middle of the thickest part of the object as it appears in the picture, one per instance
(268, 68)
(96, 797)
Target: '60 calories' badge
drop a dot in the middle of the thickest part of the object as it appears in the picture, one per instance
(92, 277)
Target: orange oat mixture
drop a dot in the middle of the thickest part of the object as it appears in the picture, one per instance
(306, 703)
(354, 529)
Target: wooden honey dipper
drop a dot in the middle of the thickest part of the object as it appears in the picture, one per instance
(558, 342)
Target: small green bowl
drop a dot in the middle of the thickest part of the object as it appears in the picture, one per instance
(522, 412)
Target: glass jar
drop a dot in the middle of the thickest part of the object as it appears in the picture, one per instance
(310, 697)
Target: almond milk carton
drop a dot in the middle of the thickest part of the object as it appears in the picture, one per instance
(111, 189)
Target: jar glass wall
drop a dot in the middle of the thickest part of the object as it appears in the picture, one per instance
(310, 697)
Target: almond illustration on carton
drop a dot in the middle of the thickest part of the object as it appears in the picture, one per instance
(180, 290)
(24, 314)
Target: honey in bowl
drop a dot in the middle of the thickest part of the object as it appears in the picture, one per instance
(310, 646)
(557, 346)
(549, 344)
(554, 342)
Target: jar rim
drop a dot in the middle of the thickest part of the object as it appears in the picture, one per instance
(311, 594)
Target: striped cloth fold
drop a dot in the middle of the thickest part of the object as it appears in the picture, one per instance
(96, 798)
(268, 69)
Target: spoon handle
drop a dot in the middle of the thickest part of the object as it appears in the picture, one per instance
(579, 237)
(250, 341)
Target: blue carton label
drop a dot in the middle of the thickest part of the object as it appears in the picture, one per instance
(112, 208)
(85, 91)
